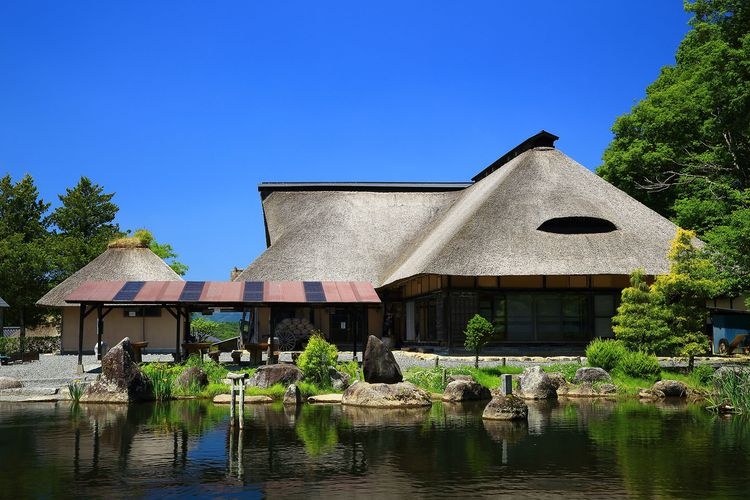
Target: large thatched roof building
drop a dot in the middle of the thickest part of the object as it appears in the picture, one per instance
(537, 243)
(124, 260)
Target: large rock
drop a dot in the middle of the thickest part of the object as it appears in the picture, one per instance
(292, 396)
(587, 390)
(339, 380)
(192, 376)
(557, 379)
(379, 365)
(506, 408)
(670, 388)
(381, 395)
(536, 384)
(121, 381)
(591, 374)
(465, 390)
(9, 383)
(268, 375)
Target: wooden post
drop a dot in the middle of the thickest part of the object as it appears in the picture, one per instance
(242, 403)
(99, 331)
(232, 402)
(80, 337)
(238, 386)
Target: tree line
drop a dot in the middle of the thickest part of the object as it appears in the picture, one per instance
(40, 248)
(684, 150)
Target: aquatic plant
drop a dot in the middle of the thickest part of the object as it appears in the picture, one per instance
(732, 388)
(162, 380)
(76, 389)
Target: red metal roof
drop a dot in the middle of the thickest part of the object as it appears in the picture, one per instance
(227, 292)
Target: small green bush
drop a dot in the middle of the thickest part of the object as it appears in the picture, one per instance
(215, 371)
(316, 358)
(605, 353)
(478, 332)
(640, 364)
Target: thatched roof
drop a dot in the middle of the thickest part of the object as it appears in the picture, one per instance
(487, 229)
(319, 235)
(127, 263)
(3, 303)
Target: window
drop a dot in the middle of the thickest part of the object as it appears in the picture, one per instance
(577, 225)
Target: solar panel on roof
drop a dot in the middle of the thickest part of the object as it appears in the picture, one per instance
(192, 291)
(129, 290)
(253, 291)
(314, 291)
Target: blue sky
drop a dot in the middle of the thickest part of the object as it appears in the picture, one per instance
(182, 108)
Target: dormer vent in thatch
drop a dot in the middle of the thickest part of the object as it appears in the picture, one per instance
(541, 140)
(577, 225)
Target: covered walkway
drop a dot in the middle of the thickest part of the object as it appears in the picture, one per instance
(181, 298)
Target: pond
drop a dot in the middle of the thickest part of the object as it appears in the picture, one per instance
(567, 449)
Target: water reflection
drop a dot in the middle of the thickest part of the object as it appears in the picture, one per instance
(580, 447)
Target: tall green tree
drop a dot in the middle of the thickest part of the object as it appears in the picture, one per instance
(86, 223)
(684, 149)
(641, 319)
(25, 260)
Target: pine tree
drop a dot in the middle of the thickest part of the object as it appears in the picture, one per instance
(85, 221)
(691, 281)
(641, 320)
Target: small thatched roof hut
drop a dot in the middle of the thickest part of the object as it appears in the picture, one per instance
(126, 259)
(3, 303)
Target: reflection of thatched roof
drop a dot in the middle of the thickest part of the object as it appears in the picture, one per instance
(3, 303)
(487, 229)
(126, 264)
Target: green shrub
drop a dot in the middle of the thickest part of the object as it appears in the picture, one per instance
(640, 364)
(351, 368)
(215, 371)
(605, 353)
(316, 358)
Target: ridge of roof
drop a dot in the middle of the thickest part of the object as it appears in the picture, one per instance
(543, 139)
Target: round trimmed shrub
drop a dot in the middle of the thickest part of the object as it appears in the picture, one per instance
(605, 353)
(640, 365)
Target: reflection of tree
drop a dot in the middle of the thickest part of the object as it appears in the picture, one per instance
(660, 450)
(316, 430)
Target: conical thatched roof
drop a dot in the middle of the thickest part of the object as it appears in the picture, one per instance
(490, 228)
(126, 264)
(3, 303)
